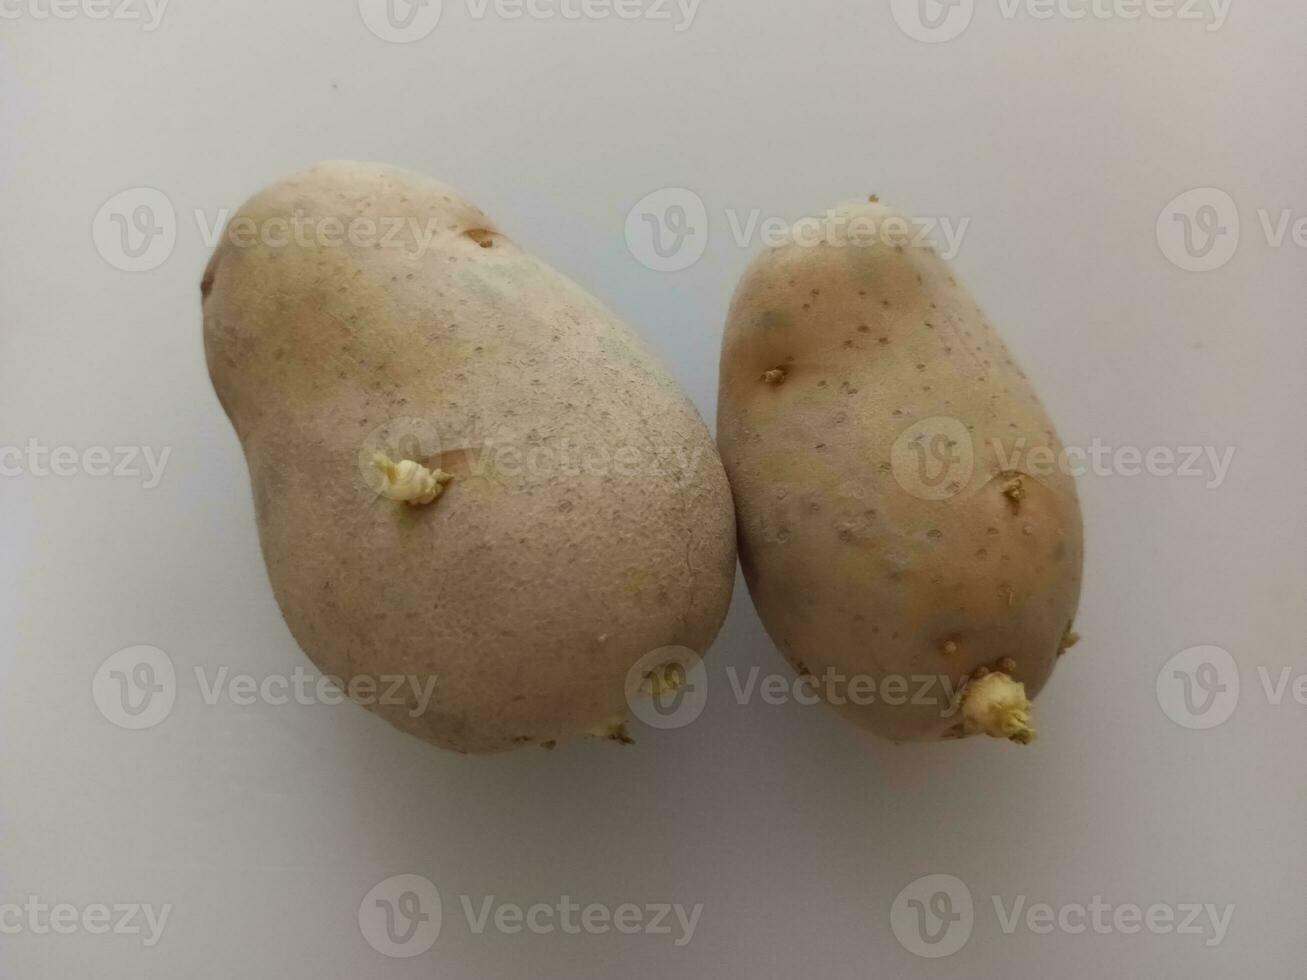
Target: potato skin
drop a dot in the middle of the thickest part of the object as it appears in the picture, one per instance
(526, 591)
(858, 565)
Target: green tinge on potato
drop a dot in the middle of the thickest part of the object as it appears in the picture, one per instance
(903, 551)
(468, 474)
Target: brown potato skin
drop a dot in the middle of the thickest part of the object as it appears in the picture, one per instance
(527, 592)
(851, 571)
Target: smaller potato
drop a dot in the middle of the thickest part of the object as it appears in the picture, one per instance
(894, 532)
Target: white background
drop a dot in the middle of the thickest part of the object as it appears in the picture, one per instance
(1062, 141)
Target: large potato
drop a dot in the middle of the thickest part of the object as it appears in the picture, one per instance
(902, 546)
(467, 472)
